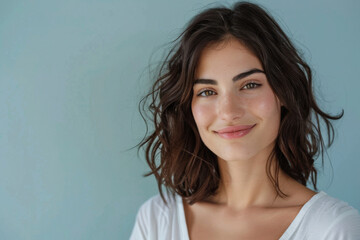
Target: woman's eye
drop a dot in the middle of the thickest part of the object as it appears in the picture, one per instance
(251, 85)
(206, 93)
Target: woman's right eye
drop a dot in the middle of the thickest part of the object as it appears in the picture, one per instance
(206, 93)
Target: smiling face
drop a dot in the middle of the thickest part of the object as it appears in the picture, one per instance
(235, 110)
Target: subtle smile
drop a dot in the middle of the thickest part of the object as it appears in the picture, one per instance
(234, 131)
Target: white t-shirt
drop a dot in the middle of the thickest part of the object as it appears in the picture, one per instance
(321, 218)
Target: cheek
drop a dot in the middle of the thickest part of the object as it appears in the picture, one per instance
(267, 105)
(202, 113)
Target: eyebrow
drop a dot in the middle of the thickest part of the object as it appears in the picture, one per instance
(236, 78)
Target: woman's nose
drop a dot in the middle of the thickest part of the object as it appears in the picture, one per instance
(230, 107)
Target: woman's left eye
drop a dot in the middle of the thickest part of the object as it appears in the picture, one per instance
(251, 85)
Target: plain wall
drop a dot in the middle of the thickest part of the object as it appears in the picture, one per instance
(71, 76)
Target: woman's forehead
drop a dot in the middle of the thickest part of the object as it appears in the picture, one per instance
(223, 57)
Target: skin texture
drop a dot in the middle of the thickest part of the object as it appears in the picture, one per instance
(245, 197)
(247, 101)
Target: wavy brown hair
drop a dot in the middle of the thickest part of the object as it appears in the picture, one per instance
(178, 158)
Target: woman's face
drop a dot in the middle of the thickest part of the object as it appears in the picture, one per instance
(235, 110)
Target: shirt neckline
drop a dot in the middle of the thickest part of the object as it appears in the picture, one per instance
(295, 223)
(288, 232)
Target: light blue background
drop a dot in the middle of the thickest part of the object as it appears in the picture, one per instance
(71, 75)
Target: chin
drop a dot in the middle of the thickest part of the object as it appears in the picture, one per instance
(230, 154)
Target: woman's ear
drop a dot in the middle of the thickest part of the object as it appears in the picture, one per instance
(281, 104)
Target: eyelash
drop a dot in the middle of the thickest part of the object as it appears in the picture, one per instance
(245, 87)
(255, 85)
(200, 94)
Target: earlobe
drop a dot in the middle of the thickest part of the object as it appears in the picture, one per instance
(278, 100)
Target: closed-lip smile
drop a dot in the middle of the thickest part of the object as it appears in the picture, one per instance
(234, 131)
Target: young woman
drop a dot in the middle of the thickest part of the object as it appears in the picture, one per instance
(236, 132)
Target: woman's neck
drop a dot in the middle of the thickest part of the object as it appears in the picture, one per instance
(245, 184)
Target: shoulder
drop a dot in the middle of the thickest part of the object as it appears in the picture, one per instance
(332, 218)
(330, 208)
(155, 207)
(155, 217)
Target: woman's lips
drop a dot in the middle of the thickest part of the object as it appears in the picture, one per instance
(235, 131)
